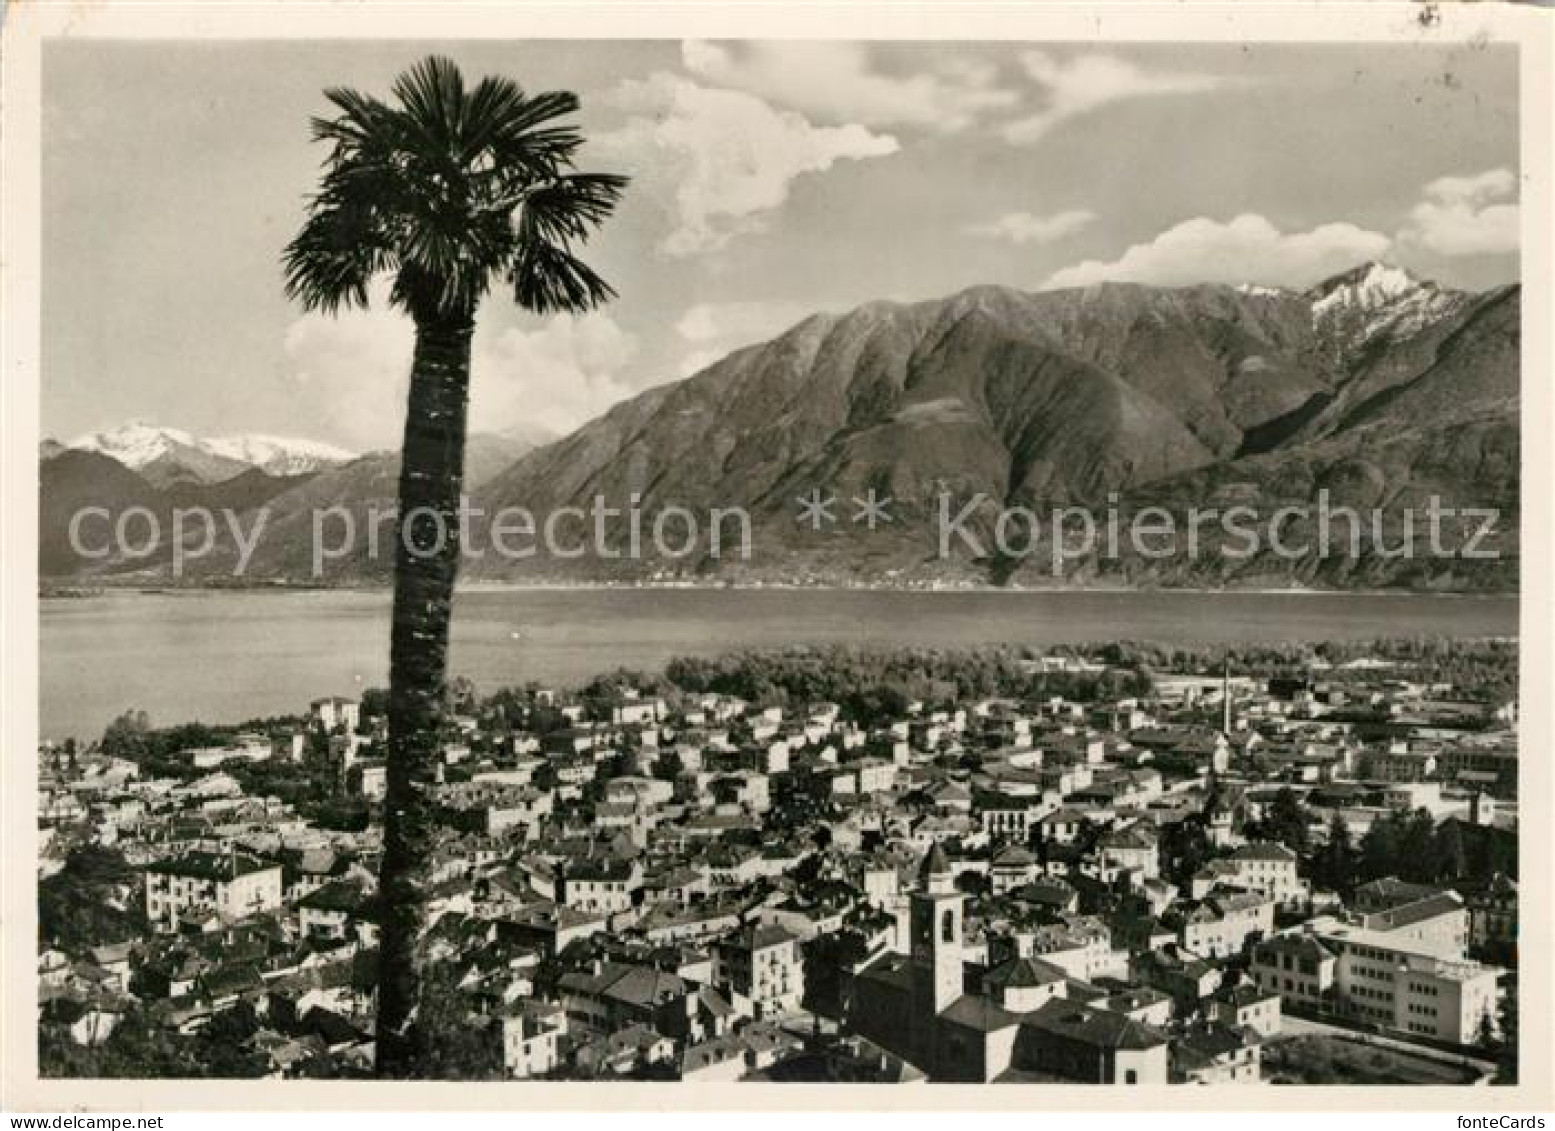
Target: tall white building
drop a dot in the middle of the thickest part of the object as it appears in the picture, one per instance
(1269, 868)
(337, 712)
(232, 885)
(1380, 977)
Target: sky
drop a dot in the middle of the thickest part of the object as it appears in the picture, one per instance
(770, 180)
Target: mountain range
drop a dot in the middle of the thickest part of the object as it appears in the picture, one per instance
(166, 456)
(159, 469)
(1377, 387)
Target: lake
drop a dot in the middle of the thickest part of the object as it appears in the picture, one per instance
(229, 656)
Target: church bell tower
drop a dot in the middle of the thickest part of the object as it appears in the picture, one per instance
(936, 934)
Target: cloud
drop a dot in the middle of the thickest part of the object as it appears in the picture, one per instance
(559, 376)
(352, 370)
(836, 81)
(750, 321)
(713, 330)
(1248, 249)
(1475, 215)
(1022, 227)
(1083, 83)
(723, 159)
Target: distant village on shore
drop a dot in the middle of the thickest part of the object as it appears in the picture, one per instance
(1065, 867)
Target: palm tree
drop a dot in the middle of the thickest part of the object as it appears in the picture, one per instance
(443, 194)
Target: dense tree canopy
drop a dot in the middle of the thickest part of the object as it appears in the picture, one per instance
(79, 907)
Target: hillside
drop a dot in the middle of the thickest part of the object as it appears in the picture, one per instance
(1376, 387)
(72, 478)
(170, 456)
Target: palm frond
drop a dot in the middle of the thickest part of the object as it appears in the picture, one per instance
(447, 189)
(522, 137)
(494, 100)
(570, 206)
(549, 279)
(330, 262)
(520, 119)
(432, 93)
(361, 117)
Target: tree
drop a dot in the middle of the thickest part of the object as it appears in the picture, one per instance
(464, 1045)
(1452, 862)
(461, 695)
(1185, 849)
(1485, 1036)
(374, 703)
(79, 906)
(826, 959)
(140, 1047)
(668, 766)
(1417, 847)
(1506, 1058)
(1333, 867)
(126, 735)
(973, 883)
(1087, 835)
(809, 870)
(1287, 822)
(1379, 849)
(444, 193)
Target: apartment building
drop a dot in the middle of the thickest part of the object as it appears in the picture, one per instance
(1379, 978)
(1490, 768)
(760, 968)
(603, 886)
(337, 713)
(1269, 868)
(1218, 926)
(1409, 985)
(232, 885)
(1296, 966)
(1438, 922)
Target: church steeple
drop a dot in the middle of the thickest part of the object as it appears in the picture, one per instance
(936, 926)
(935, 875)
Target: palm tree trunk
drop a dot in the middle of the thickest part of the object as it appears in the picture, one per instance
(425, 566)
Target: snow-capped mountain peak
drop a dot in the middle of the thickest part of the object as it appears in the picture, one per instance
(279, 455)
(143, 446)
(1380, 278)
(135, 443)
(1374, 298)
(1366, 287)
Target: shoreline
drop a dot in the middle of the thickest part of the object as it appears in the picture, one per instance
(94, 664)
(77, 593)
